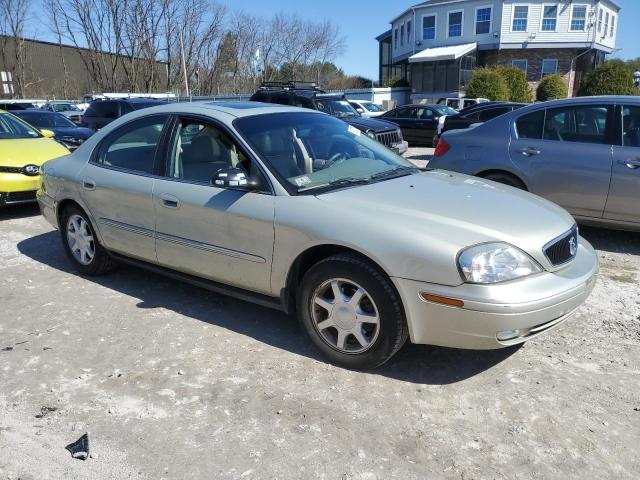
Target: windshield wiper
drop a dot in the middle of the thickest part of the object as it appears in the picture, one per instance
(337, 183)
(394, 173)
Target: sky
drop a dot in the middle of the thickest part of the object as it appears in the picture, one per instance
(362, 21)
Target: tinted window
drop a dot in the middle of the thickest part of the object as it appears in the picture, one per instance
(283, 99)
(631, 126)
(486, 115)
(425, 114)
(132, 147)
(199, 150)
(531, 125)
(140, 105)
(406, 113)
(576, 124)
(103, 109)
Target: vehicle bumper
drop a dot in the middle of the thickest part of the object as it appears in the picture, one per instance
(16, 188)
(47, 207)
(531, 306)
(401, 147)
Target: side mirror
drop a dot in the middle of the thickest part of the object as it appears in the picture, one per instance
(47, 133)
(360, 110)
(234, 178)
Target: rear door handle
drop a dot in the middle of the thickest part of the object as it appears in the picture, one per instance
(169, 201)
(88, 184)
(630, 163)
(529, 151)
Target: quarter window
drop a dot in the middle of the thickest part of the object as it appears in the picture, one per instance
(455, 24)
(521, 64)
(199, 150)
(549, 67)
(429, 27)
(483, 20)
(520, 18)
(579, 17)
(577, 124)
(531, 125)
(631, 126)
(133, 147)
(549, 18)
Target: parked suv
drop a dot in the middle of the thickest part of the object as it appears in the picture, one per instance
(103, 112)
(307, 95)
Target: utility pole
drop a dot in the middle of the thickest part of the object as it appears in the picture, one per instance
(184, 66)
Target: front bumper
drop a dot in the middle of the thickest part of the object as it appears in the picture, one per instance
(531, 305)
(16, 188)
(401, 147)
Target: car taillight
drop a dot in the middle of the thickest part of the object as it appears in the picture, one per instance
(442, 148)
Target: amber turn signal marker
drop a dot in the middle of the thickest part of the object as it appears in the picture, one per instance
(452, 302)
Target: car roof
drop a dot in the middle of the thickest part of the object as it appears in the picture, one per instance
(234, 109)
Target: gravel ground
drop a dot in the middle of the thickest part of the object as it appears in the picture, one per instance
(174, 382)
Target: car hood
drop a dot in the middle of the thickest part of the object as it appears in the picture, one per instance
(374, 124)
(75, 132)
(439, 213)
(29, 151)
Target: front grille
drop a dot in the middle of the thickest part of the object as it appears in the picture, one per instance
(20, 197)
(388, 139)
(563, 249)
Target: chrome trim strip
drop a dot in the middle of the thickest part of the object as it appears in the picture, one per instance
(209, 248)
(125, 226)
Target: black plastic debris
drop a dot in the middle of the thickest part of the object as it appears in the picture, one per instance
(44, 411)
(80, 448)
(7, 349)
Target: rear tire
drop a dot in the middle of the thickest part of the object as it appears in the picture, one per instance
(351, 312)
(81, 244)
(506, 179)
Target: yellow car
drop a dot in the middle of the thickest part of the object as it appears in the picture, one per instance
(23, 150)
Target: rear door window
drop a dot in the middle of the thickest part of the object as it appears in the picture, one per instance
(530, 125)
(631, 126)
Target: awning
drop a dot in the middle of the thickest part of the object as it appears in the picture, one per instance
(451, 52)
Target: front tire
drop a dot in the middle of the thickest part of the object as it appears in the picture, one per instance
(351, 312)
(81, 244)
(506, 179)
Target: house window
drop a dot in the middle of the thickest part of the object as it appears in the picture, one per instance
(483, 20)
(606, 24)
(401, 34)
(579, 18)
(549, 67)
(520, 18)
(395, 38)
(613, 25)
(549, 18)
(409, 32)
(429, 27)
(600, 13)
(455, 24)
(7, 83)
(521, 64)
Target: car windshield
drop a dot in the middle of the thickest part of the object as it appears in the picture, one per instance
(45, 120)
(444, 110)
(337, 108)
(372, 107)
(65, 107)
(312, 152)
(11, 127)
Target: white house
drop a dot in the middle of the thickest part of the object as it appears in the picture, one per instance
(435, 45)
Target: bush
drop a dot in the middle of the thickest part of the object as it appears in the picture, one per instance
(487, 83)
(552, 87)
(517, 84)
(611, 78)
(396, 82)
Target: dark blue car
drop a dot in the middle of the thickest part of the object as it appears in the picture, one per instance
(66, 132)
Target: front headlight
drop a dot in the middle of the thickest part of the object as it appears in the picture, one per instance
(495, 262)
(400, 135)
(371, 134)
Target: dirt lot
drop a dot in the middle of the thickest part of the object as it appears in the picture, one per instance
(175, 382)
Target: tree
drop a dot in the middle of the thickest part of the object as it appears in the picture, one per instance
(517, 84)
(487, 83)
(611, 78)
(13, 19)
(551, 87)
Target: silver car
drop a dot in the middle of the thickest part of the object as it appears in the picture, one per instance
(296, 210)
(581, 153)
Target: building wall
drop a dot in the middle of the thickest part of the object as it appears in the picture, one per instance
(53, 71)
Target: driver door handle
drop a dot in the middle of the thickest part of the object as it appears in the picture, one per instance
(631, 163)
(529, 151)
(169, 201)
(88, 184)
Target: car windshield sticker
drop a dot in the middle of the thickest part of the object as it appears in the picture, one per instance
(354, 130)
(301, 181)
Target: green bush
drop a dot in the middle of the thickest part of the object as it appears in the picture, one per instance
(517, 84)
(552, 87)
(611, 78)
(487, 83)
(396, 82)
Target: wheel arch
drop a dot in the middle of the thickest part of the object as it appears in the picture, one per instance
(65, 203)
(504, 171)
